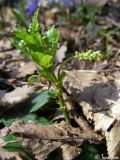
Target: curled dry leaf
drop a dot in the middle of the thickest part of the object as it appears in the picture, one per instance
(100, 101)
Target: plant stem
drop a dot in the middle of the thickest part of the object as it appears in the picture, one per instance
(63, 63)
(59, 91)
(63, 108)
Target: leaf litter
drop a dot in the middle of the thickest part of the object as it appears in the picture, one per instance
(41, 140)
(99, 103)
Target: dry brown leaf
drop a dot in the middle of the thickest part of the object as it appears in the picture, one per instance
(97, 3)
(42, 140)
(70, 152)
(67, 34)
(110, 127)
(2, 92)
(113, 141)
(4, 155)
(19, 95)
(60, 55)
(40, 148)
(27, 69)
(4, 44)
(100, 101)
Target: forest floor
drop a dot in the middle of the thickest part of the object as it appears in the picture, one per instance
(92, 87)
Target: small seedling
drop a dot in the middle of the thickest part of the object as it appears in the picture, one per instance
(41, 49)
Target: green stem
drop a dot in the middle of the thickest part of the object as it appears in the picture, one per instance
(63, 108)
(59, 91)
(105, 34)
(63, 63)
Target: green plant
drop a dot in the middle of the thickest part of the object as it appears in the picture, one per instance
(13, 144)
(21, 14)
(41, 49)
(106, 33)
(85, 13)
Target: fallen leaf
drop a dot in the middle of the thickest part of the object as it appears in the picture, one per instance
(27, 69)
(4, 155)
(67, 34)
(100, 101)
(70, 152)
(97, 3)
(41, 140)
(60, 55)
(17, 96)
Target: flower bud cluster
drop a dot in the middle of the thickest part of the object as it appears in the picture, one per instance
(89, 55)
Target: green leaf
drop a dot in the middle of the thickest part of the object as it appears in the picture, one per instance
(9, 137)
(34, 26)
(89, 153)
(62, 76)
(41, 49)
(39, 100)
(44, 121)
(44, 61)
(12, 116)
(32, 79)
(34, 31)
(51, 39)
(22, 34)
(47, 74)
(21, 45)
(13, 146)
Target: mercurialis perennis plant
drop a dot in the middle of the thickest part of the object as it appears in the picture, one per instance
(41, 49)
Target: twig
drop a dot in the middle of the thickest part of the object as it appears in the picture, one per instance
(85, 136)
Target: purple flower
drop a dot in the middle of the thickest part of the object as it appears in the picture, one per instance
(34, 4)
(69, 2)
(32, 7)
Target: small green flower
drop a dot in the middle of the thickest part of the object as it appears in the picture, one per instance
(89, 56)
